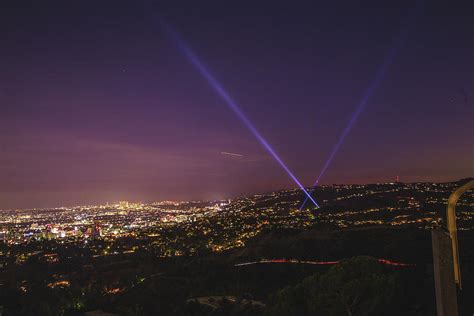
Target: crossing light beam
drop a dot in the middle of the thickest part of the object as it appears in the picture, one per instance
(380, 74)
(355, 115)
(229, 101)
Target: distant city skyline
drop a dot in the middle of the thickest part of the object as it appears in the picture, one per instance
(134, 202)
(98, 105)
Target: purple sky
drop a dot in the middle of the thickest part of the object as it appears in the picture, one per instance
(98, 105)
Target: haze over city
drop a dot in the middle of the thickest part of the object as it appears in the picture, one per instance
(99, 105)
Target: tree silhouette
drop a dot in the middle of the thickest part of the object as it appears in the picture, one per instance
(356, 286)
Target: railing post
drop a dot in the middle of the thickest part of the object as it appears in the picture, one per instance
(446, 268)
(451, 223)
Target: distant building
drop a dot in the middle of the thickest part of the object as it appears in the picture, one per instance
(96, 231)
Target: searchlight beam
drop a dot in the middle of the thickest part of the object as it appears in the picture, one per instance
(219, 89)
(380, 74)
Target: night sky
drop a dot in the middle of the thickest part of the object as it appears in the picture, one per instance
(97, 103)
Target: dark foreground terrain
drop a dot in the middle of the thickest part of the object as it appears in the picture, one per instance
(211, 284)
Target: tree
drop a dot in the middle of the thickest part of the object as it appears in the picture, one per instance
(357, 286)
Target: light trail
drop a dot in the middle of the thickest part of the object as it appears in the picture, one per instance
(231, 154)
(380, 74)
(289, 261)
(219, 89)
(295, 261)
